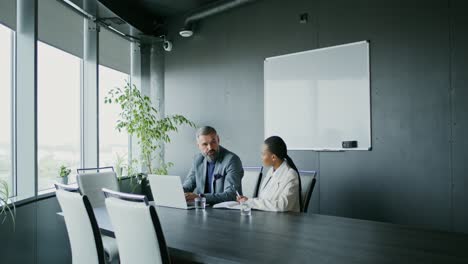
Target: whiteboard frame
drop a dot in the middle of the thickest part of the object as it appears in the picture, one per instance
(370, 95)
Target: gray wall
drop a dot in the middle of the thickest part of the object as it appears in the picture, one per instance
(459, 109)
(415, 173)
(40, 235)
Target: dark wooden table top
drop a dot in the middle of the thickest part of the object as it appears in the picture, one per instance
(224, 236)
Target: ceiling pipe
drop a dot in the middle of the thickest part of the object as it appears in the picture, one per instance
(90, 13)
(187, 31)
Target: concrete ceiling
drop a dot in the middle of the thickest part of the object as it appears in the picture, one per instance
(169, 8)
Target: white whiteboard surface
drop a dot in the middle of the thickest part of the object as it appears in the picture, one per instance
(317, 99)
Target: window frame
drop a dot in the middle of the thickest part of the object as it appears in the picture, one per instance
(100, 102)
(52, 189)
(12, 180)
(12, 113)
(24, 39)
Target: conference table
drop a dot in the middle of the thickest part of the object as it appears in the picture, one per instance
(224, 236)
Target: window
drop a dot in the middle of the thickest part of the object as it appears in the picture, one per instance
(6, 81)
(59, 83)
(113, 145)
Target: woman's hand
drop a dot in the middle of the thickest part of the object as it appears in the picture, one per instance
(241, 199)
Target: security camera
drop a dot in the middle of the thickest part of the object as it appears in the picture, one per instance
(167, 45)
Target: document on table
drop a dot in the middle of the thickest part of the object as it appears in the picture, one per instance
(228, 205)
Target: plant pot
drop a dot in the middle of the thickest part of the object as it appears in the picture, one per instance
(130, 185)
(63, 180)
(125, 184)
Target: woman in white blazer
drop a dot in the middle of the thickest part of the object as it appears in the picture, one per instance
(281, 189)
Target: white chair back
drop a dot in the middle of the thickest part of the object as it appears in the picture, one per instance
(83, 232)
(250, 181)
(137, 229)
(91, 185)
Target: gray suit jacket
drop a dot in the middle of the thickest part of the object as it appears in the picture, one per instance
(228, 173)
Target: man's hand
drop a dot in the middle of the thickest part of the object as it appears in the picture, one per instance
(241, 199)
(190, 196)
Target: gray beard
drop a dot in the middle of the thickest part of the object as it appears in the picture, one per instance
(212, 158)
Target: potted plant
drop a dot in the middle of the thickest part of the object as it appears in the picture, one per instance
(63, 173)
(142, 121)
(120, 164)
(6, 208)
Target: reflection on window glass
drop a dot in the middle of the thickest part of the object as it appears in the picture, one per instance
(113, 145)
(58, 113)
(6, 53)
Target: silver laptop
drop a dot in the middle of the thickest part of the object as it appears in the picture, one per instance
(167, 191)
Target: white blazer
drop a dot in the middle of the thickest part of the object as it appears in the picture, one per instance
(279, 191)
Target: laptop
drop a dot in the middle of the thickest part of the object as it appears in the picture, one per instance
(167, 191)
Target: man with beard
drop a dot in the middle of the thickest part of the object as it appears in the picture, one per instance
(216, 172)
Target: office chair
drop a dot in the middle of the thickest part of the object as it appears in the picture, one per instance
(251, 181)
(137, 228)
(91, 184)
(308, 180)
(87, 244)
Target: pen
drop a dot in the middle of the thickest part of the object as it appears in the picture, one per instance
(238, 195)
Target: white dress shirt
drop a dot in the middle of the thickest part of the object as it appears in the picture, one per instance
(279, 191)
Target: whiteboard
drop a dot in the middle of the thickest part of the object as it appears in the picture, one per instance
(317, 99)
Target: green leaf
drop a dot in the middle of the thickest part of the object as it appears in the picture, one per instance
(141, 119)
